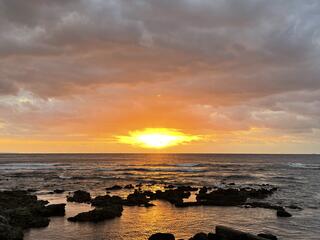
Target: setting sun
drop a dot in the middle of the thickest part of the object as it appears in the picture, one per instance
(157, 138)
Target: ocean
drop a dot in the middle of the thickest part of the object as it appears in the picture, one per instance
(297, 176)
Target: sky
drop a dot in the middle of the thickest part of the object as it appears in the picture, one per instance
(243, 75)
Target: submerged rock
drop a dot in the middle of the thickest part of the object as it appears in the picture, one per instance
(268, 236)
(79, 196)
(106, 200)
(129, 186)
(283, 213)
(115, 187)
(98, 214)
(200, 236)
(54, 210)
(226, 233)
(58, 191)
(162, 236)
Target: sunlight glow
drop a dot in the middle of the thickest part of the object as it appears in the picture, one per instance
(157, 138)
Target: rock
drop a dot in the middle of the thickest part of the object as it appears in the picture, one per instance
(170, 186)
(227, 233)
(264, 205)
(292, 206)
(162, 236)
(187, 188)
(233, 196)
(129, 186)
(137, 198)
(222, 197)
(21, 210)
(283, 213)
(200, 236)
(268, 236)
(104, 201)
(174, 196)
(187, 204)
(26, 218)
(58, 191)
(213, 236)
(98, 214)
(80, 197)
(8, 232)
(53, 210)
(115, 187)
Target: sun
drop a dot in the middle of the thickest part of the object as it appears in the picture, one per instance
(157, 138)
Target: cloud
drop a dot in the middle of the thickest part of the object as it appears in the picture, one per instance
(204, 65)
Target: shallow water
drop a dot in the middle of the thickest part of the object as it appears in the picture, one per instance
(296, 175)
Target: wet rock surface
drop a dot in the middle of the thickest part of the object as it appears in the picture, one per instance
(79, 196)
(115, 187)
(162, 236)
(19, 210)
(98, 214)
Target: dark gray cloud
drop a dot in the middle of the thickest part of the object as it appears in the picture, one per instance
(227, 62)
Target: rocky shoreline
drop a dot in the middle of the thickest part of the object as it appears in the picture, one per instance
(20, 209)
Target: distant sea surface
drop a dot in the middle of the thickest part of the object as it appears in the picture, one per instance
(297, 176)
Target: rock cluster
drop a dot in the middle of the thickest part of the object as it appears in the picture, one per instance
(19, 210)
(221, 233)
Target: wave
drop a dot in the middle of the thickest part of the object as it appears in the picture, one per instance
(304, 166)
(158, 170)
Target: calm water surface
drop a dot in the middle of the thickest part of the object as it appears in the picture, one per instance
(297, 176)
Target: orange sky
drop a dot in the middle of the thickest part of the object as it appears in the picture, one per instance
(74, 75)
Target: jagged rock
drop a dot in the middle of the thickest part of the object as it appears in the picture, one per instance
(200, 236)
(283, 213)
(292, 206)
(115, 187)
(170, 186)
(104, 201)
(129, 186)
(137, 198)
(98, 214)
(227, 233)
(8, 232)
(264, 205)
(25, 217)
(174, 196)
(268, 236)
(162, 236)
(58, 191)
(80, 197)
(223, 197)
(54, 210)
(187, 188)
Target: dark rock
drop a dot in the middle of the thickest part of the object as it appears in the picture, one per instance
(80, 197)
(98, 214)
(187, 204)
(32, 190)
(58, 191)
(162, 236)
(129, 186)
(187, 188)
(222, 197)
(268, 236)
(8, 232)
(54, 210)
(26, 218)
(283, 213)
(115, 187)
(213, 236)
(22, 210)
(137, 198)
(227, 233)
(200, 236)
(264, 205)
(170, 186)
(174, 196)
(104, 201)
(292, 206)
